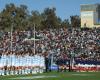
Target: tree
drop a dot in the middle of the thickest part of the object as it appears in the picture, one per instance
(23, 20)
(75, 21)
(65, 23)
(35, 18)
(6, 18)
(19, 21)
(50, 18)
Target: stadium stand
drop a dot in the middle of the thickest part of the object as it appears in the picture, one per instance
(85, 44)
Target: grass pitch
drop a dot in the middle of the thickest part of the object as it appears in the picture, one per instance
(56, 76)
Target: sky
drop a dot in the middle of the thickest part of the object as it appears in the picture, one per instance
(64, 8)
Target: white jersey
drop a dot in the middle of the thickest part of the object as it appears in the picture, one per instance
(27, 60)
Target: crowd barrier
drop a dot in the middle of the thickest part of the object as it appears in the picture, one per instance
(86, 68)
(87, 65)
(94, 62)
(82, 66)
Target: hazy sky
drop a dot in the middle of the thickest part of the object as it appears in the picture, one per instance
(64, 8)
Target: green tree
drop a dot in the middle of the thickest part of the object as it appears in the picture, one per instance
(19, 21)
(6, 17)
(65, 23)
(50, 18)
(35, 18)
(21, 18)
(75, 21)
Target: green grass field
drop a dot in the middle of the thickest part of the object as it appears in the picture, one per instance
(56, 76)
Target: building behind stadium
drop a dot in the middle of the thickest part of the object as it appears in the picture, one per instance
(90, 15)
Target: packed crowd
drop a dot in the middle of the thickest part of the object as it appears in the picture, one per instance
(83, 43)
